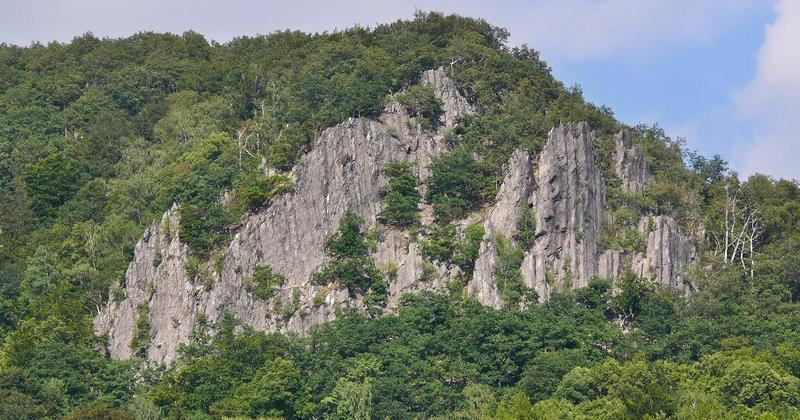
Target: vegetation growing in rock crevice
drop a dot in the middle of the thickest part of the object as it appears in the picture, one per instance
(351, 266)
(265, 282)
(525, 235)
(445, 244)
(422, 103)
(458, 183)
(141, 334)
(99, 137)
(256, 190)
(507, 276)
(400, 197)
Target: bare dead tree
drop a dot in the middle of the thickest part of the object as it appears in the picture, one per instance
(741, 229)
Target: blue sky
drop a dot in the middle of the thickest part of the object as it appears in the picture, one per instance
(723, 74)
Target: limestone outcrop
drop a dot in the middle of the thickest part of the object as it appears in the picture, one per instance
(514, 193)
(562, 185)
(668, 255)
(630, 164)
(566, 192)
(342, 173)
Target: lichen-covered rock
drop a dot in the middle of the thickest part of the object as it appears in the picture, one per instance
(668, 255)
(630, 164)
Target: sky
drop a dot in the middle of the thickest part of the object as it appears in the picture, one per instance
(722, 74)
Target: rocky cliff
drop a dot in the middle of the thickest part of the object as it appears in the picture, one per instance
(566, 191)
(343, 172)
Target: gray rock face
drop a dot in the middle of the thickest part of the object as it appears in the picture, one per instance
(629, 163)
(569, 202)
(453, 103)
(343, 172)
(567, 194)
(565, 189)
(156, 277)
(669, 253)
(609, 264)
(514, 193)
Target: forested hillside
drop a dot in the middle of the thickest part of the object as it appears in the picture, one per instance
(100, 137)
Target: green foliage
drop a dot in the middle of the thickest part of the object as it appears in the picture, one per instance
(276, 391)
(141, 334)
(663, 154)
(633, 292)
(444, 244)
(349, 240)
(626, 240)
(50, 182)
(352, 395)
(98, 137)
(98, 412)
(526, 227)
(422, 103)
(192, 267)
(400, 197)
(507, 276)
(352, 267)
(458, 183)
(264, 282)
(257, 190)
(24, 397)
(620, 229)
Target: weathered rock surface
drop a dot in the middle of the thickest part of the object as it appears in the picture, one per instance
(669, 253)
(567, 194)
(343, 173)
(569, 203)
(157, 271)
(514, 193)
(630, 164)
(445, 88)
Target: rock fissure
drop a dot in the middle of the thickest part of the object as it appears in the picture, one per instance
(562, 187)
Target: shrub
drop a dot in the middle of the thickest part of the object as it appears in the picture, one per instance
(526, 227)
(352, 266)
(264, 282)
(444, 244)
(203, 227)
(192, 267)
(349, 240)
(257, 190)
(141, 336)
(507, 276)
(401, 196)
(469, 246)
(423, 104)
(458, 184)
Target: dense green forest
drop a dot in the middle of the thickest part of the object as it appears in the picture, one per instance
(98, 137)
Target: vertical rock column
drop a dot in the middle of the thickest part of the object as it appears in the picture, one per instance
(568, 202)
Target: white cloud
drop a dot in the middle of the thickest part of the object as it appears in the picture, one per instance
(572, 29)
(587, 29)
(771, 101)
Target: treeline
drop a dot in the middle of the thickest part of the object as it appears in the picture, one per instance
(98, 137)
